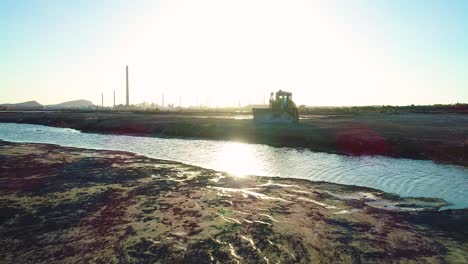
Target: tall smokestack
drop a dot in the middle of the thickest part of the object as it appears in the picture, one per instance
(102, 99)
(128, 99)
(114, 98)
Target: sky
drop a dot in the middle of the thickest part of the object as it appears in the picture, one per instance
(216, 52)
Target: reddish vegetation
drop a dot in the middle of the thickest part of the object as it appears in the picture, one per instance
(110, 215)
(361, 140)
(132, 129)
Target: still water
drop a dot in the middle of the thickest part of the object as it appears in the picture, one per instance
(401, 176)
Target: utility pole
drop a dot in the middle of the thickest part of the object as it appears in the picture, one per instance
(128, 97)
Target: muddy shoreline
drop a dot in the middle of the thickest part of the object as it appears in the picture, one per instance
(438, 137)
(61, 204)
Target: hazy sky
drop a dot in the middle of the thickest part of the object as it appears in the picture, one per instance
(326, 52)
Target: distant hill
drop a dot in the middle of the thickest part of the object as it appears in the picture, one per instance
(72, 104)
(29, 105)
(33, 105)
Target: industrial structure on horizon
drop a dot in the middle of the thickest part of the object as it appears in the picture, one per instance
(163, 105)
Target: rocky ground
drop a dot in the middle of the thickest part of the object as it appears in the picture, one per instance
(69, 205)
(437, 137)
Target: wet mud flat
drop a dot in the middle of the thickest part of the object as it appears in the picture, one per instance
(437, 137)
(60, 204)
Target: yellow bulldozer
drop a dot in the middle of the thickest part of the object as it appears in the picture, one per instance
(281, 109)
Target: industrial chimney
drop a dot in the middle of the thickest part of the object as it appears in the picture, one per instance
(128, 100)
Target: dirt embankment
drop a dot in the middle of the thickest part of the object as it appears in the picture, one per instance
(438, 137)
(73, 205)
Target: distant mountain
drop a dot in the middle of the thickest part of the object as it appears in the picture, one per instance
(33, 105)
(72, 104)
(29, 105)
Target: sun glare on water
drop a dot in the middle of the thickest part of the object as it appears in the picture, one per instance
(238, 158)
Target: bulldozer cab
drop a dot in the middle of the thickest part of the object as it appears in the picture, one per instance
(283, 100)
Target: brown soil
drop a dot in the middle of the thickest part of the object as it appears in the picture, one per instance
(72, 205)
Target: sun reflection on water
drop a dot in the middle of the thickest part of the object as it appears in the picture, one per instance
(240, 159)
